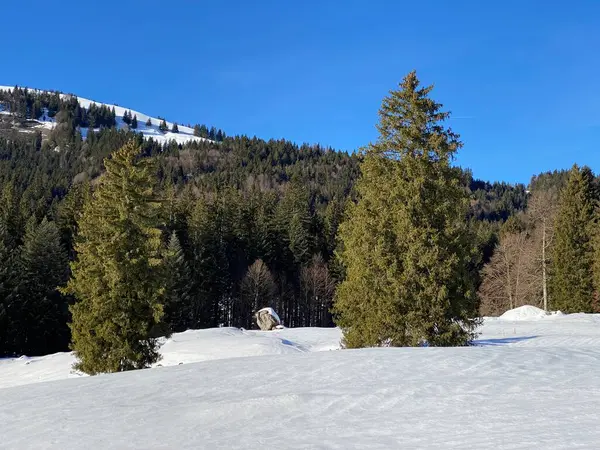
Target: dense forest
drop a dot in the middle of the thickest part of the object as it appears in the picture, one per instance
(243, 223)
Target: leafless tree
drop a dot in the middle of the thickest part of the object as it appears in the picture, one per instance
(258, 286)
(318, 288)
(509, 279)
(541, 213)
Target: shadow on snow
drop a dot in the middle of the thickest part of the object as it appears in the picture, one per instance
(502, 341)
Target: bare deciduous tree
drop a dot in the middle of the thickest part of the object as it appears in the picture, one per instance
(541, 213)
(318, 288)
(258, 287)
(509, 279)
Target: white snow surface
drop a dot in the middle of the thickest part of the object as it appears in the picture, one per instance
(529, 384)
(186, 134)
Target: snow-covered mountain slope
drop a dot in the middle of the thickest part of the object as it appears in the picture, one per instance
(186, 134)
(531, 384)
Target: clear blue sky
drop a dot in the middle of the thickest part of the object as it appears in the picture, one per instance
(522, 78)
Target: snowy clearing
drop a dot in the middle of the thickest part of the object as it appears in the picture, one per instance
(531, 383)
(185, 134)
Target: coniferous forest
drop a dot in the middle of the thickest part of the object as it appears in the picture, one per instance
(109, 242)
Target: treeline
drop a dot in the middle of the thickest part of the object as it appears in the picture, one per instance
(242, 224)
(549, 254)
(241, 243)
(37, 105)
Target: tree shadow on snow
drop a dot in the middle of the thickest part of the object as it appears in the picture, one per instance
(502, 341)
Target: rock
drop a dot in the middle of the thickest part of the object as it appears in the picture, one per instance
(267, 319)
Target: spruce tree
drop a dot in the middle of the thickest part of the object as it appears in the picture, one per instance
(43, 267)
(175, 128)
(118, 278)
(406, 246)
(134, 122)
(149, 122)
(571, 281)
(163, 126)
(178, 284)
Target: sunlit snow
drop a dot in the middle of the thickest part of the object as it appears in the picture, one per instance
(530, 383)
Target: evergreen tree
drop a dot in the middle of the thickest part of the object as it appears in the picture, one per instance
(163, 126)
(178, 284)
(127, 117)
(407, 249)
(118, 278)
(43, 311)
(134, 122)
(149, 122)
(571, 282)
(175, 128)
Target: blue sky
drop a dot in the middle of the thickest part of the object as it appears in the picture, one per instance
(522, 78)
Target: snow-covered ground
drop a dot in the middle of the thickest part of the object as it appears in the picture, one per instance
(185, 134)
(530, 384)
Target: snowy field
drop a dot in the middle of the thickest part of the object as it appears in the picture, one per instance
(531, 383)
(185, 134)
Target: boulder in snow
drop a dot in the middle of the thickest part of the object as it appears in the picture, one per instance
(267, 319)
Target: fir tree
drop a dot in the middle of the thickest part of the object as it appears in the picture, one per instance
(571, 281)
(177, 292)
(175, 128)
(118, 278)
(134, 123)
(149, 122)
(406, 248)
(43, 267)
(127, 117)
(163, 126)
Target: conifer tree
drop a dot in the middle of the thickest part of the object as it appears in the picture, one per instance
(175, 128)
(134, 122)
(43, 266)
(118, 278)
(177, 290)
(571, 281)
(149, 122)
(406, 247)
(163, 126)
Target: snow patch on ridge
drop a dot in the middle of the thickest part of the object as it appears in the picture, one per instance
(186, 134)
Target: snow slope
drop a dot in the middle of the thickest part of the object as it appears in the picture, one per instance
(183, 348)
(185, 134)
(530, 384)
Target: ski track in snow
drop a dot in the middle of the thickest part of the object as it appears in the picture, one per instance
(530, 384)
(186, 134)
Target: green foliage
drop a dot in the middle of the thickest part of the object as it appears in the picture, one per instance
(118, 278)
(163, 126)
(571, 282)
(406, 245)
(175, 128)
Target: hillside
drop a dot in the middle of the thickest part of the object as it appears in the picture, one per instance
(529, 384)
(185, 134)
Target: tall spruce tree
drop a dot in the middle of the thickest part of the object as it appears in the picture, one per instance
(406, 246)
(571, 281)
(178, 285)
(118, 277)
(43, 266)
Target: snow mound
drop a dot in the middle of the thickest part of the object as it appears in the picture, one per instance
(526, 312)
